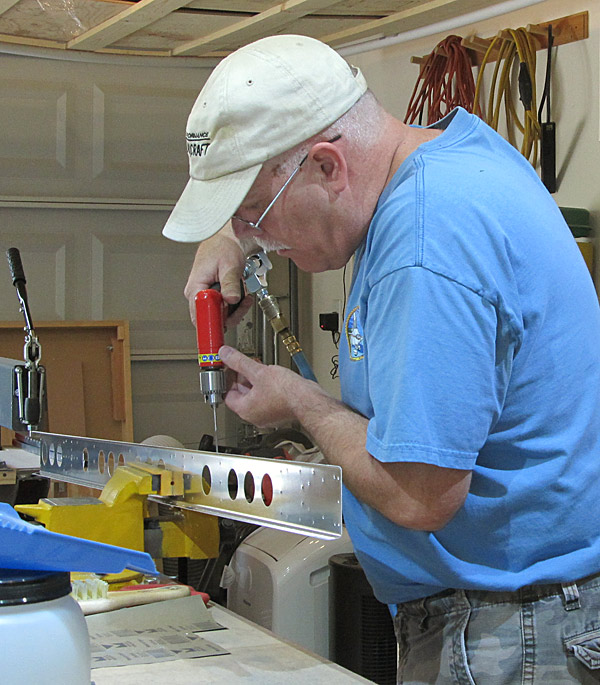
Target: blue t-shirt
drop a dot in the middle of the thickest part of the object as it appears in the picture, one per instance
(472, 341)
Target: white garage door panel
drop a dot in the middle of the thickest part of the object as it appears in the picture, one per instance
(34, 142)
(135, 130)
(45, 260)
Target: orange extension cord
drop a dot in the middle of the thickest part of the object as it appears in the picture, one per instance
(445, 82)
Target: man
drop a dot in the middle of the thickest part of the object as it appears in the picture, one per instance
(469, 429)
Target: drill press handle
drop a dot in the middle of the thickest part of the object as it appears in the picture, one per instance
(18, 278)
(15, 265)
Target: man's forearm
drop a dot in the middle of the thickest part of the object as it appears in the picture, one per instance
(413, 495)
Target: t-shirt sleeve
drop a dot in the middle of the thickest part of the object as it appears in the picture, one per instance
(437, 369)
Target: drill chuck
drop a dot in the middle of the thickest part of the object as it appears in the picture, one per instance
(212, 385)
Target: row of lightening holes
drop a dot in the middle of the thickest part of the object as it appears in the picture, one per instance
(266, 486)
(55, 454)
(104, 463)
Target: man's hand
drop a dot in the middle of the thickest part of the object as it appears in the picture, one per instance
(220, 259)
(263, 395)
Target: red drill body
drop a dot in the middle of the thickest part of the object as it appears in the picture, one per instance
(209, 327)
(210, 332)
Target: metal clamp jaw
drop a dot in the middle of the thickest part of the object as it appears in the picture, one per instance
(31, 383)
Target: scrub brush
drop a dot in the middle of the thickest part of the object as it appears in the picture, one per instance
(88, 586)
(94, 597)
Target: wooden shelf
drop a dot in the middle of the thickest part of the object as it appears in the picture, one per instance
(568, 29)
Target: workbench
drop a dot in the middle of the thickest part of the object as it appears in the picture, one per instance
(256, 656)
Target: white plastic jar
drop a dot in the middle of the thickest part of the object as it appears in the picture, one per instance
(43, 632)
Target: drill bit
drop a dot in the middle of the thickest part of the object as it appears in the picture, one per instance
(216, 440)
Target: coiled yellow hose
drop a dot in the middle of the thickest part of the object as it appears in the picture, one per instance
(515, 48)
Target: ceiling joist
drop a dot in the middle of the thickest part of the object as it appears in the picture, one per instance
(125, 23)
(426, 12)
(263, 24)
(6, 5)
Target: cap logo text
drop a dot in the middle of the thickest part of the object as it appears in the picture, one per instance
(197, 143)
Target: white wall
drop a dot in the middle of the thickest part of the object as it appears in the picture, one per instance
(575, 106)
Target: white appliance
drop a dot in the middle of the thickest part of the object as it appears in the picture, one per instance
(280, 580)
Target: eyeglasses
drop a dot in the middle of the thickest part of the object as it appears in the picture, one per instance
(256, 225)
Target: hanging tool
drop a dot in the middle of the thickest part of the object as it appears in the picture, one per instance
(210, 333)
(548, 153)
(30, 379)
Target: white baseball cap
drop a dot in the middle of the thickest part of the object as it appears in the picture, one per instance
(260, 101)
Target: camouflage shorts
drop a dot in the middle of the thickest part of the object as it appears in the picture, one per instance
(540, 634)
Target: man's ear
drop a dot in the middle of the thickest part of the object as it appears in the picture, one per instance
(330, 164)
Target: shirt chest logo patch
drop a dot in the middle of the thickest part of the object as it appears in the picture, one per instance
(355, 336)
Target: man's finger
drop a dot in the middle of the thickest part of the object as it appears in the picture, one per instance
(231, 287)
(241, 388)
(238, 362)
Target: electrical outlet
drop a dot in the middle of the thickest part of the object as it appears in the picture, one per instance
(329, 321)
